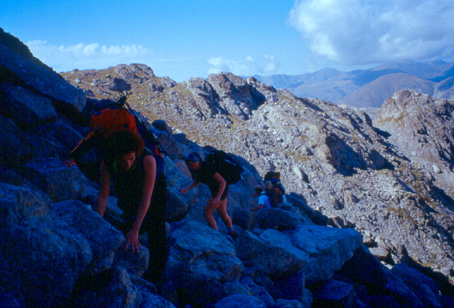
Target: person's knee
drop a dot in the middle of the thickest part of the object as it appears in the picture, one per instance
(207, 212)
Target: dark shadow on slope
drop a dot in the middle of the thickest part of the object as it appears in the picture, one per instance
(342, 157)
(300, 202)
(382, 133)
(440, 194)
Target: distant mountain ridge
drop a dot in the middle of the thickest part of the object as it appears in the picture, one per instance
(370, 87)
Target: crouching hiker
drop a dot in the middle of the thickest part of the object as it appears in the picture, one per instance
(141, 193)
(206, 174)
(263, 199)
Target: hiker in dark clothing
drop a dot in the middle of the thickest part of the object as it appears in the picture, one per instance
(273, 193)
(205, 173)
(141, 195)
(111, 117)
(276, 180)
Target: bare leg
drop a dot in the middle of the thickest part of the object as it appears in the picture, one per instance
(208, 213)
(222, 210)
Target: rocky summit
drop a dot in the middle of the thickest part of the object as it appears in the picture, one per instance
(367, 220)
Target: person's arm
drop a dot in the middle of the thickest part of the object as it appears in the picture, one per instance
(104, 190)
(148, 186)
(258, 207)
(193, 184)
(260, 204)
(82, 148)
(222, 186)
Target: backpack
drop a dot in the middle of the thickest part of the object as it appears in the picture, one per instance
(111, 119)
(116, 117)
(225, 165)
(274, 196)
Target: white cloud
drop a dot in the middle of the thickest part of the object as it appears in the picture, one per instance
(87, 56)
(356, 32)
(248, 67)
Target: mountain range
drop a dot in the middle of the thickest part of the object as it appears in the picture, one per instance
(370, 87)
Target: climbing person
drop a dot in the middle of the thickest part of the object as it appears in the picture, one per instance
(276, 180)
(141, 190)
(206, 173)
(111, 116)
(263, 199)
(273, 193)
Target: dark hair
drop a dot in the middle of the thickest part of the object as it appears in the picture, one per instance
(258, 189)
(122, 142)
(268, 176)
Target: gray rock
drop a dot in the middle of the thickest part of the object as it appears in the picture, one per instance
(294, 287)
(273, 260)
(276, 218)
(292, 303)
(257, 291)
(423, 287)
(322, 250)
(61, 183)
(40, 79)
(401, 292)
(354, 269)
(239, 301)
(26, 108)
(336, 293)
(103, 238)
(37, 250)
(111, 288)
(200, 261)
(19, 203)
(15, 148)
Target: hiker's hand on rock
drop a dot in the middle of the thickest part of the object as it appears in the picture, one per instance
(133, 240)
(69, 163)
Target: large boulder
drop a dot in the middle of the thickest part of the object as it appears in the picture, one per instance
(15, 148)
(276, 218)
(61, 183)
(425, 288)
(335, 293)
(200, 261)
(40, 258)
(27, 109)
(322, 250)
(273, 260)
(32, 76)
(240, 301)
(102, 236)
(117, 288)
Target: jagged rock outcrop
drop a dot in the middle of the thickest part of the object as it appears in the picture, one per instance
(423, 129)
(56, 251)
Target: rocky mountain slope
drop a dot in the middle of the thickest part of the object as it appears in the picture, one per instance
(335, 158)
(339, 168)
(370, 88)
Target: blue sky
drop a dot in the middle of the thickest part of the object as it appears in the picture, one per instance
(184, 39)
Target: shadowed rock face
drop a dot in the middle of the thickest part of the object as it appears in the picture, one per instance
(336, 166)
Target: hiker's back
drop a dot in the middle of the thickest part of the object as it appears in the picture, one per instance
(111, 119)
(225, 165)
